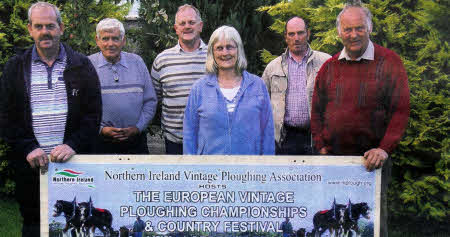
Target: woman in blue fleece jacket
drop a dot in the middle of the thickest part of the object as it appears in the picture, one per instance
(228, 111)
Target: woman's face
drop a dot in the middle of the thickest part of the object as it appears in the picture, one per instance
(225, 54)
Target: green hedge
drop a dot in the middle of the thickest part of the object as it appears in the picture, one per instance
(80, 18)
(417, 30)
(157, 18)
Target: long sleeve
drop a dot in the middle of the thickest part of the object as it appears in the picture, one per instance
(190, 124)
(266, 78)
(267, 129)
(399, 104)
(318, 108)
(156, 80)
(150, 100)
(13, 127)
(91, 111)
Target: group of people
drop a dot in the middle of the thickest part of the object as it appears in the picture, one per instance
(56, 102)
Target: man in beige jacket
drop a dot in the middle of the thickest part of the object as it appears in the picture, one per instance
(290, 81)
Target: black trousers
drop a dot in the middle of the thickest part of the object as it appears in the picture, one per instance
(136, 145)
(173, 148)
(28, 197)
(297, 142)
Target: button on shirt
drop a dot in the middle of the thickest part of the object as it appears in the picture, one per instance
(48, 99)
(297, 108)
(128, 96)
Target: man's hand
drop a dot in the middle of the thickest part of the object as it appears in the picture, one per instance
(110, 132)
(375, 158)
(61, 153)
(129, 132)
(323, 151)
(119, 134)
(37, 158)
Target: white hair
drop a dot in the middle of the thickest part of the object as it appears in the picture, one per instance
(110, 24)
(227, 33)
(187, 6)
(355, 4)
(42, 5)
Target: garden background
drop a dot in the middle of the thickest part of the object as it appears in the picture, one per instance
(417, 30)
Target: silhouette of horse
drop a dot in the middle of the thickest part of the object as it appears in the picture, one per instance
(71, 213)
(331, 220)
(92, 218)
(351, 217)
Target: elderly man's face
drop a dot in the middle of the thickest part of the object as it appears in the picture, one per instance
(44, 29)
(187, 26)
(296, 36)
(354, 32)
(111, 44)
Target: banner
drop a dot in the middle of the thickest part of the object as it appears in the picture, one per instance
(210, 196)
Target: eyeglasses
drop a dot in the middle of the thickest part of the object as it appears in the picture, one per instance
(228, 47)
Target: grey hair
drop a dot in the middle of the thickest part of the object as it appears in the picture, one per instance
(109, 24)
(227, 33)
(355, 4)
(186, 6)
(42, 5)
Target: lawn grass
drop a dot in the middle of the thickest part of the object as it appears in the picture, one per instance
(10, 219)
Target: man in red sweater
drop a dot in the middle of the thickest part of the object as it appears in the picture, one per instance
(360, 104)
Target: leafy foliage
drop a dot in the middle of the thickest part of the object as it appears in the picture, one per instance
(7, 184)
(158, 17)
(13, 37)
(13, 28)
(416, 30)
(79, 17)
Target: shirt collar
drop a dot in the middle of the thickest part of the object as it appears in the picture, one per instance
(305, 57)
(201, 47)
(104, 62)
(35, 56)
(368, 54)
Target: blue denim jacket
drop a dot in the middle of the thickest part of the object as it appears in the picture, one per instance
(209, 129)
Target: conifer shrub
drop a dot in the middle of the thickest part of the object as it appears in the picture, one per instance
(79, 17)
(416, 30)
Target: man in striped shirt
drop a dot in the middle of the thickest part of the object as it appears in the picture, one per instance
(50, 107)
(175, 70)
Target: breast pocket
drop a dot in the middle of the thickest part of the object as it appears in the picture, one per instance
(278, 84)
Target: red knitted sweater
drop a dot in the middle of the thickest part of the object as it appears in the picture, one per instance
(360, 105)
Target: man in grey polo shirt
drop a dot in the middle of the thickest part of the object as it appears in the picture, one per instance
(290, 81)
(129, 100)
(175, 70)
